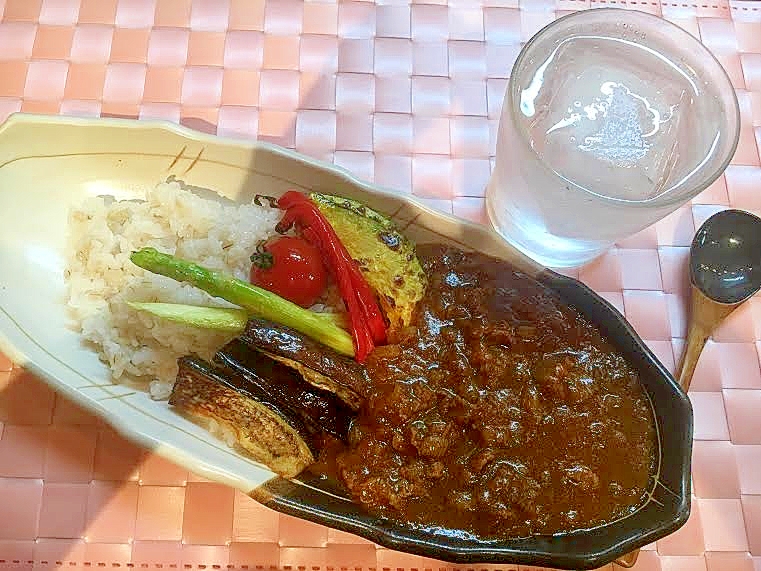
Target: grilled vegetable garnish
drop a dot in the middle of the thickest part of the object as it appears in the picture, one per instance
(244, 416)
(368, 327)
(318, 409)
(290, 267)
(385, 256)
(215, 318)
(232, 319)
(253, 299)
(318, 364)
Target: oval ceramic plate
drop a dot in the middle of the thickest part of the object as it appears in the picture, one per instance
(48, 164)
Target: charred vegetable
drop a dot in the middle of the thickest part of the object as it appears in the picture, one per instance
(253, 299)
(385, 256)
(318, 364)
(226, 406)
(318, 409)
(260, 406)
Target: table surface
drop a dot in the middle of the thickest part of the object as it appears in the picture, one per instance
(405, 95)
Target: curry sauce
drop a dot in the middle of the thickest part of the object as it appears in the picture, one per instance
(501, 413)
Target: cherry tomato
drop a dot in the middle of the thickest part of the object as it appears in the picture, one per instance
(290, 267)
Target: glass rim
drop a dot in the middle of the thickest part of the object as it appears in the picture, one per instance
(725, 91)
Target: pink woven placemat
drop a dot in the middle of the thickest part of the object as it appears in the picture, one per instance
(407, 96)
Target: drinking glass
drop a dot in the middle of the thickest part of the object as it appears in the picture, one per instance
(612, 119)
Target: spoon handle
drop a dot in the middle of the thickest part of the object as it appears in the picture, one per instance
(705, 315)
(696, 340)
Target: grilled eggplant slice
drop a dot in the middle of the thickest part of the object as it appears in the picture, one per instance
(246, 417)
(320, 381)
(318, 409)
(318, 364)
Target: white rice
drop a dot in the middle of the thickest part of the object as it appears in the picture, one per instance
(103, 233)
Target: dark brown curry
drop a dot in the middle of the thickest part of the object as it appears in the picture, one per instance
(502, 412)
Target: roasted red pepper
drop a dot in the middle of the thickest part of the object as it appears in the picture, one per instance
(367, 324)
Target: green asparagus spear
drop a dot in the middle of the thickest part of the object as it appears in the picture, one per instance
(253, 299)
(217, 318)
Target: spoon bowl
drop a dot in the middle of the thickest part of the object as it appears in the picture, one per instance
(725, 257)
(725, 270)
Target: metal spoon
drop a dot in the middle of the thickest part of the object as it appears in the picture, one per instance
(725, 271)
